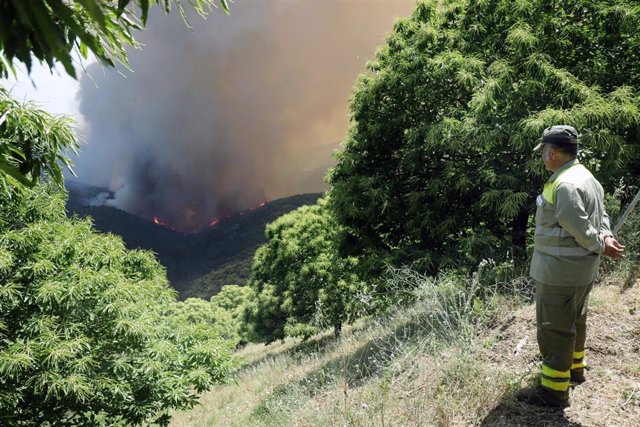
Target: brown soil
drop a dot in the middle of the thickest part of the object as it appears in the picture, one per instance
(611, 394)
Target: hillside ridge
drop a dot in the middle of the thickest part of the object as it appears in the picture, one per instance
(198, 264)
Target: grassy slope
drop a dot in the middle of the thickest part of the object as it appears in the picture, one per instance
(418, 367)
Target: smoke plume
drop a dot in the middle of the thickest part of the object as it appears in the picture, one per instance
(241, 109)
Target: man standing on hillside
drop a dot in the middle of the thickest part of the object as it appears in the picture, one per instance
(572, 231)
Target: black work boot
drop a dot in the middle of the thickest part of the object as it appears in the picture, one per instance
(541, 396)
(577, 376)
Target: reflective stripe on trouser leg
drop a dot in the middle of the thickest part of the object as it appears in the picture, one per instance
(578, 360)
(554, 379)
(581, 333)
(556, 316)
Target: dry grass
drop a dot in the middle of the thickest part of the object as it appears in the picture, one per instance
(610, 395)
(438, 362)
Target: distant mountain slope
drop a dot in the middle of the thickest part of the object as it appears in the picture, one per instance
(232, 241)
(233, 273)
(197, 264)
(136, 232)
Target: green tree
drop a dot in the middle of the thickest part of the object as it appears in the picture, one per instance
(301, 284)
(223, 312)
(51, 30)
(32, 142)
(437, 168)
(233, 300)
(82, 337)
(196, 311)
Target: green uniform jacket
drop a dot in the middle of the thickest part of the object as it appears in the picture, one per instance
(570, 218)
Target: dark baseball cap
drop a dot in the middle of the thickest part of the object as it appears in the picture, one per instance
(559, 134)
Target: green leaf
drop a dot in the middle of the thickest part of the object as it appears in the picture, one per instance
(4, 116)
(88, 40)
(84, 50)
(144, 8)
(225, 6)
(14, 173)
(94, 8)
(122, 4)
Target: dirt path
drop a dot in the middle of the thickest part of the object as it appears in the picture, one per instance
(611, 394)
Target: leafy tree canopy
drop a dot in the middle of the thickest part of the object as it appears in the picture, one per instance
(196, 311)
(438, 168)
(32, 142)
(233, 300)
(301, 284)
(51, 30)
(83, 340)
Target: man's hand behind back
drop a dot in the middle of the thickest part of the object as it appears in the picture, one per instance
(612, 248)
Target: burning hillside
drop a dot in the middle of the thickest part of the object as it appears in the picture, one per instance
(214, 221)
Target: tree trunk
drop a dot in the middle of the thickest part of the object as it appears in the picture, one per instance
(519, 238)
(337, 329)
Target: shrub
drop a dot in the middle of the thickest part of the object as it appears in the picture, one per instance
(82, 336)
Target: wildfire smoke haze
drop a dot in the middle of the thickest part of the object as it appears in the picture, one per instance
(242, 109)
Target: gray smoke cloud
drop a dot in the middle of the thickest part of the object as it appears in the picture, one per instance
(241, 109)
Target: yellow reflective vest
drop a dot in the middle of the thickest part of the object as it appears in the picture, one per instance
(570, 218)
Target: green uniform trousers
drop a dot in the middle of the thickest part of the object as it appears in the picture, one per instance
(561, 317)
